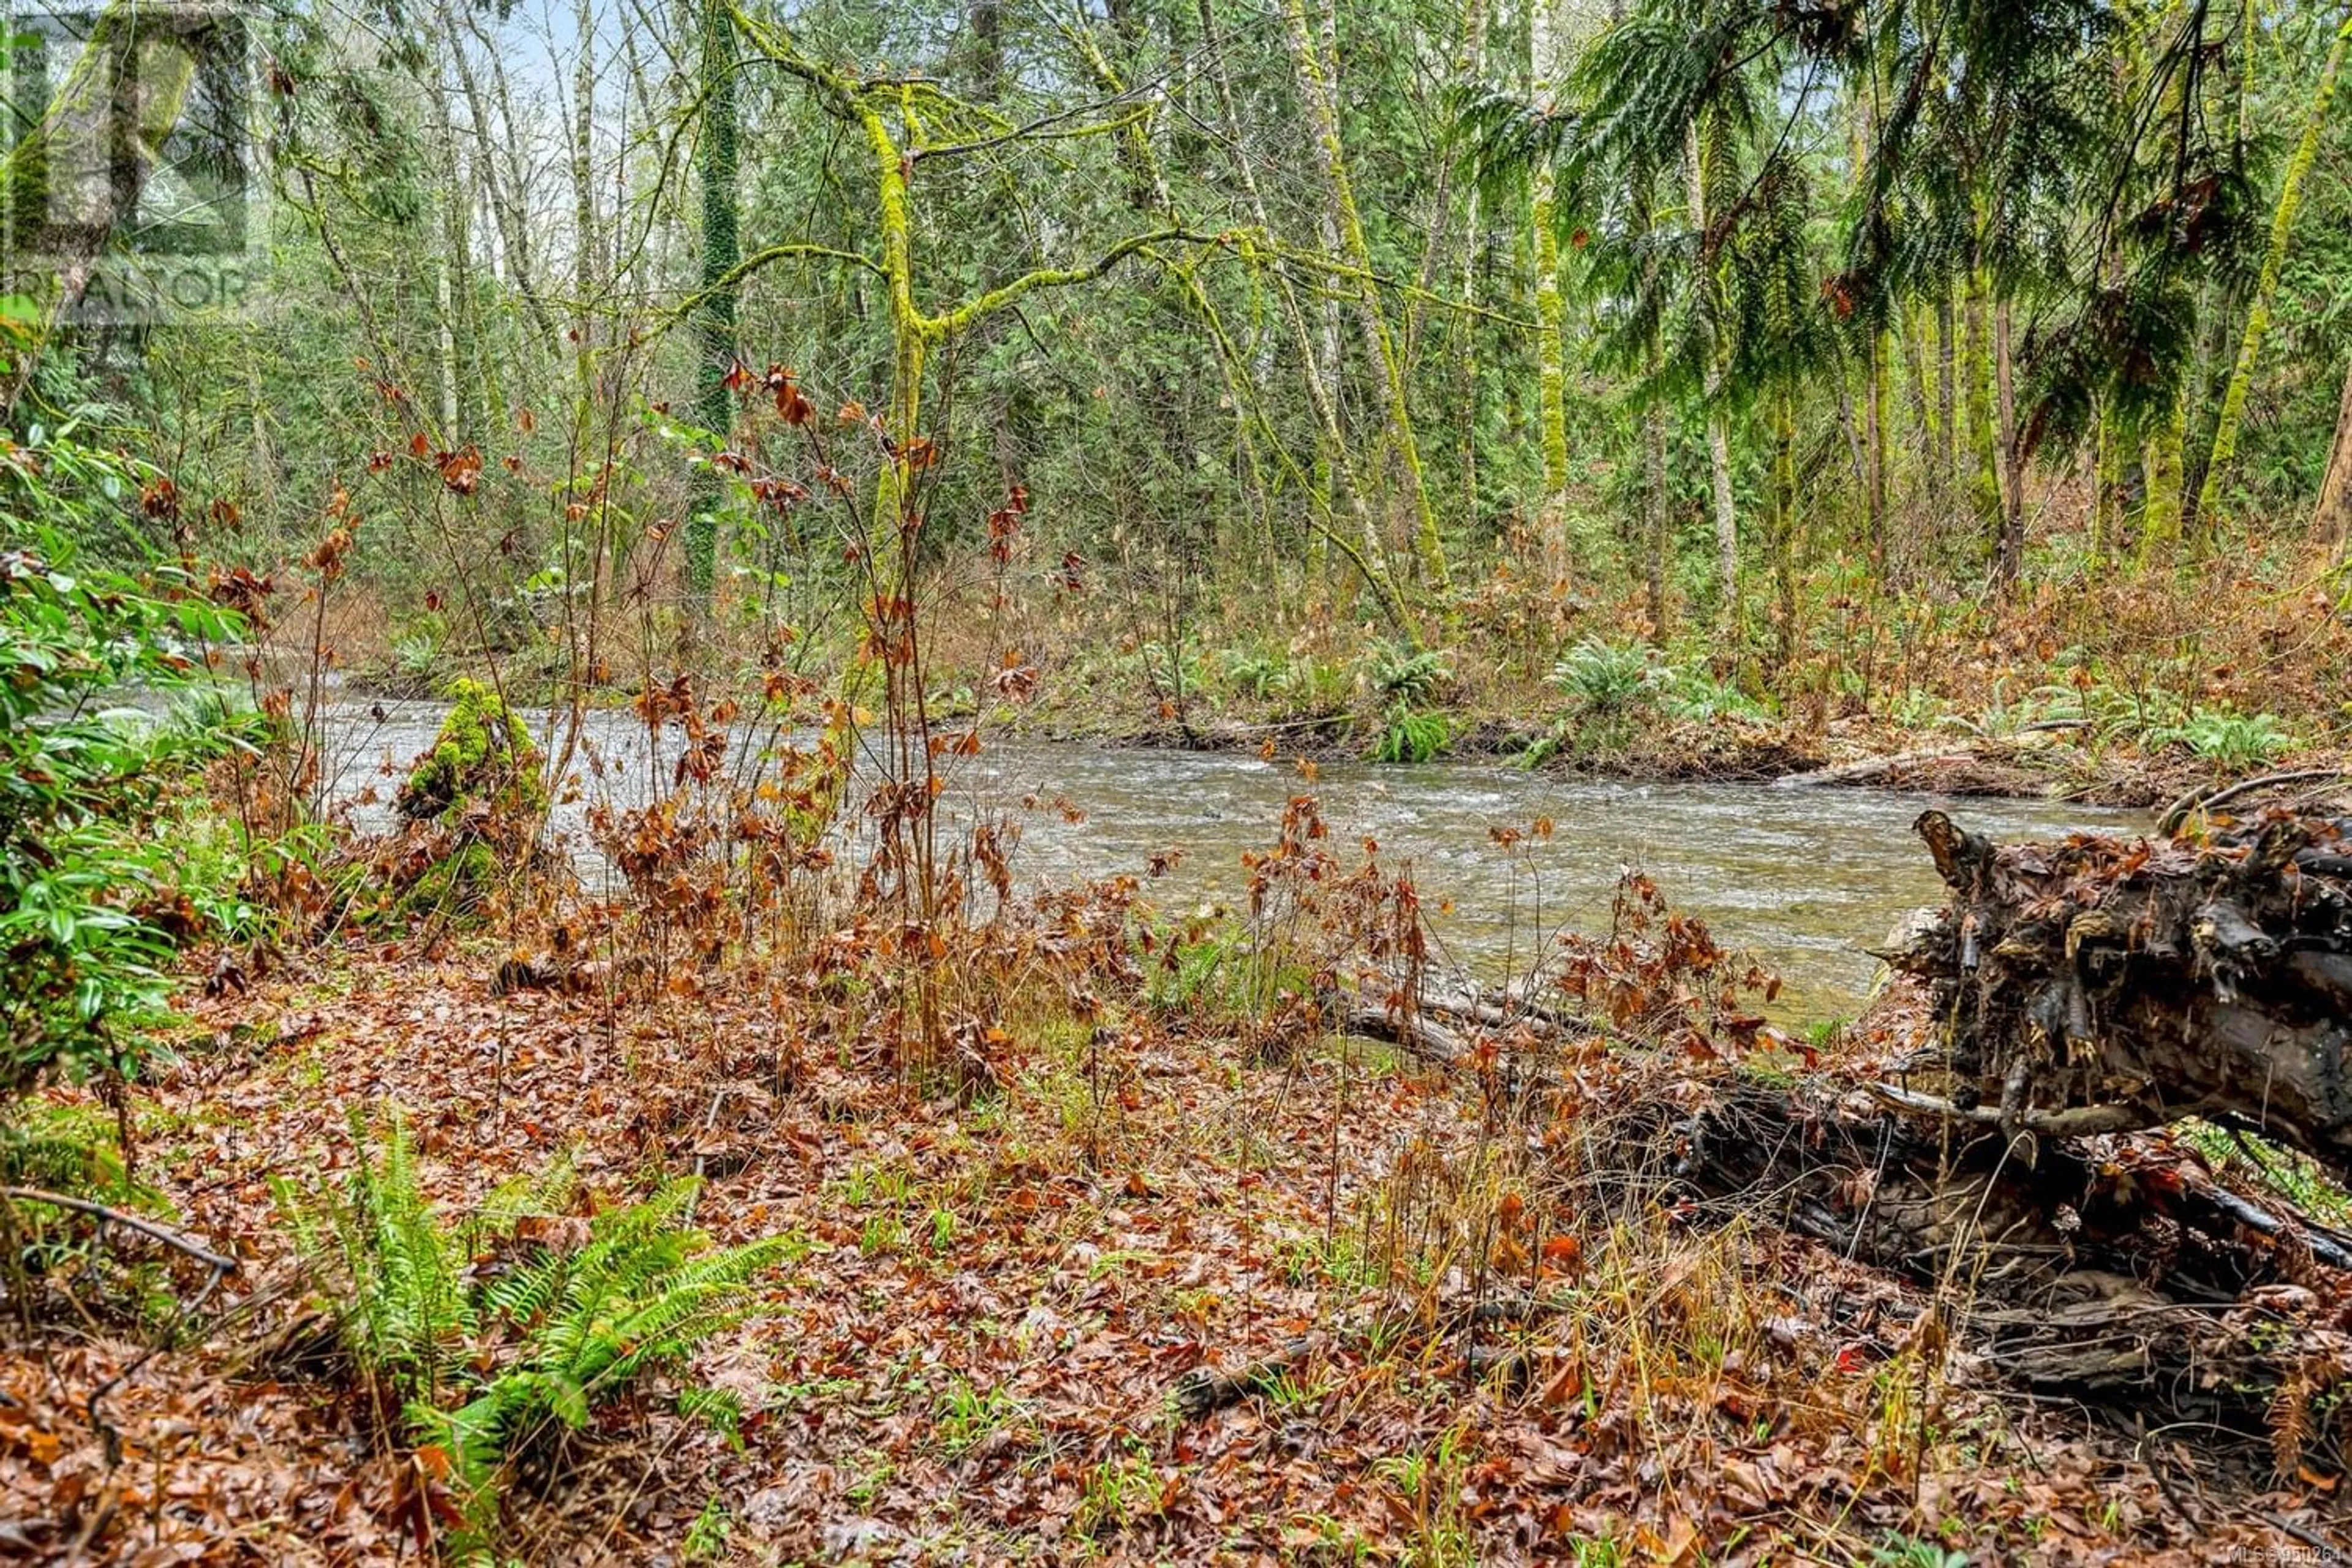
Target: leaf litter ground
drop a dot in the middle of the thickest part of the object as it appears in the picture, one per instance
(984, 1354)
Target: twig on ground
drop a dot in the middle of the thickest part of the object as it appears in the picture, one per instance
(153, 1230)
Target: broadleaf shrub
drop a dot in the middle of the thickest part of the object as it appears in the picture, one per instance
(92, 903)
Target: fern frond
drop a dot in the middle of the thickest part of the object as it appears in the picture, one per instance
(686, 1307)
(574, 1328)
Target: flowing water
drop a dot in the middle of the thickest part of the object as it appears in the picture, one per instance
(1799, 878)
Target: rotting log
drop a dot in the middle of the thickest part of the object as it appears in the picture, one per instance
(1943, 1201)
(2115, 1269)
(2077, 996)
(2131, 982)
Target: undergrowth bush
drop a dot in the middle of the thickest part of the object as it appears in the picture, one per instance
(2240, 743)
(92, 902)
(1695, 696)
(1254, 674)
(1608, 679)
(1313, 685)
(75, 1148)
(1179, 677)
(1221, 973)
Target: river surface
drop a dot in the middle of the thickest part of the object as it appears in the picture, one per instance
(1799, 878)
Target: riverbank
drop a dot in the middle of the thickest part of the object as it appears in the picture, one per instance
(2048, 764)
(1799, 878)
(2143, 751)
(1174, 1302)
(763, 1202)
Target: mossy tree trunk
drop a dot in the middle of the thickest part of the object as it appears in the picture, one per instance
(2258, 312)
(1551, 52)
(1336, 467)
(1316, 89)
(2159, 528)
(1367, 557)
(714, 323)
(2009, 548)
(2107, 515)
(1948, 408)
(1984, 458)
(1784, 521)
(1552, 381)
(1657, 531)
(885, 115)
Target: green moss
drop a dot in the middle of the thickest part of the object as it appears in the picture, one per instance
(483, 758)
(456, 882)
(481, 783)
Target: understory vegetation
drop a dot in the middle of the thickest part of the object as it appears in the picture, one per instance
(659, 1111)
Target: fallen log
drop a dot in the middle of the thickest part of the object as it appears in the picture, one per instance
(2145, 980)
(1423, 1035)
(2175, 816)
(1446, 1022)
(1876, 770)
(1207, 1388)
(2114, 1270)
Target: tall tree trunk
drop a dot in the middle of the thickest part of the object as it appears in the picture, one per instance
(1727, 516)
(1784, 521)
(2159, 523)
(1316, 90)
(1319, 381)
(2331, 519)
(1656, 533)
(584, 227)
(716, 163)
(453, 289)
(1948, 413)
(1464, 329)
(1466, 362)
(987, 19)
(1984, 447)
(2166, 452)
(1334, 469)
(1549, 56)
(1874, 432)
(1719, 434)
(2107, 475)
(2009, 553)
(1440, 196)
(1914, 331)
(2258, 313)
(501, 179)
(583, 171)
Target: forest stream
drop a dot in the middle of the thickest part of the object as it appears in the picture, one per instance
(1800, 879)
